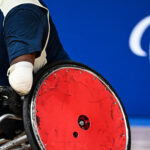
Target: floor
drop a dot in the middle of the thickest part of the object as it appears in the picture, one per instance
(140, 138)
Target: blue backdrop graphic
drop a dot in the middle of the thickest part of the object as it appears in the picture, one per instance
(96, 33)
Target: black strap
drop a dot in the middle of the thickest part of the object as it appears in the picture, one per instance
(8, 97)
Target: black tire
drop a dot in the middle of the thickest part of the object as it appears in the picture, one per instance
(39, 77)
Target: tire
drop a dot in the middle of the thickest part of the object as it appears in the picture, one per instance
(30, 130)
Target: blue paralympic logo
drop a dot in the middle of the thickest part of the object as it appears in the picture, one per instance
(136, 37)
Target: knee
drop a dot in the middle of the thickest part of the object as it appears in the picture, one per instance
(21, 77)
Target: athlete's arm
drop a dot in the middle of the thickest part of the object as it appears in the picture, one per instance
(23, 30)
(20, 73)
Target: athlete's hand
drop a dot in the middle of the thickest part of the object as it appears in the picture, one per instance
(21, 77)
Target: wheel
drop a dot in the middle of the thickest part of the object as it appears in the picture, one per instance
(72, 107)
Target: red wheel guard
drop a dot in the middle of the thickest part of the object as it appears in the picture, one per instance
(76, 110)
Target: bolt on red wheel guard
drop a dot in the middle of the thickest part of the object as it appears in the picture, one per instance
(74, 108)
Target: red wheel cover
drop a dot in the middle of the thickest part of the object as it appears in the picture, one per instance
(74, 109)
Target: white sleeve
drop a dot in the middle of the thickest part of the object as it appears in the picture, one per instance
(7, 5)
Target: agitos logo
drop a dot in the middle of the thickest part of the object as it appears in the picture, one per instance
(136, 37)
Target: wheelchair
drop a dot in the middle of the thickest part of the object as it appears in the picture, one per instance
(70, 107)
